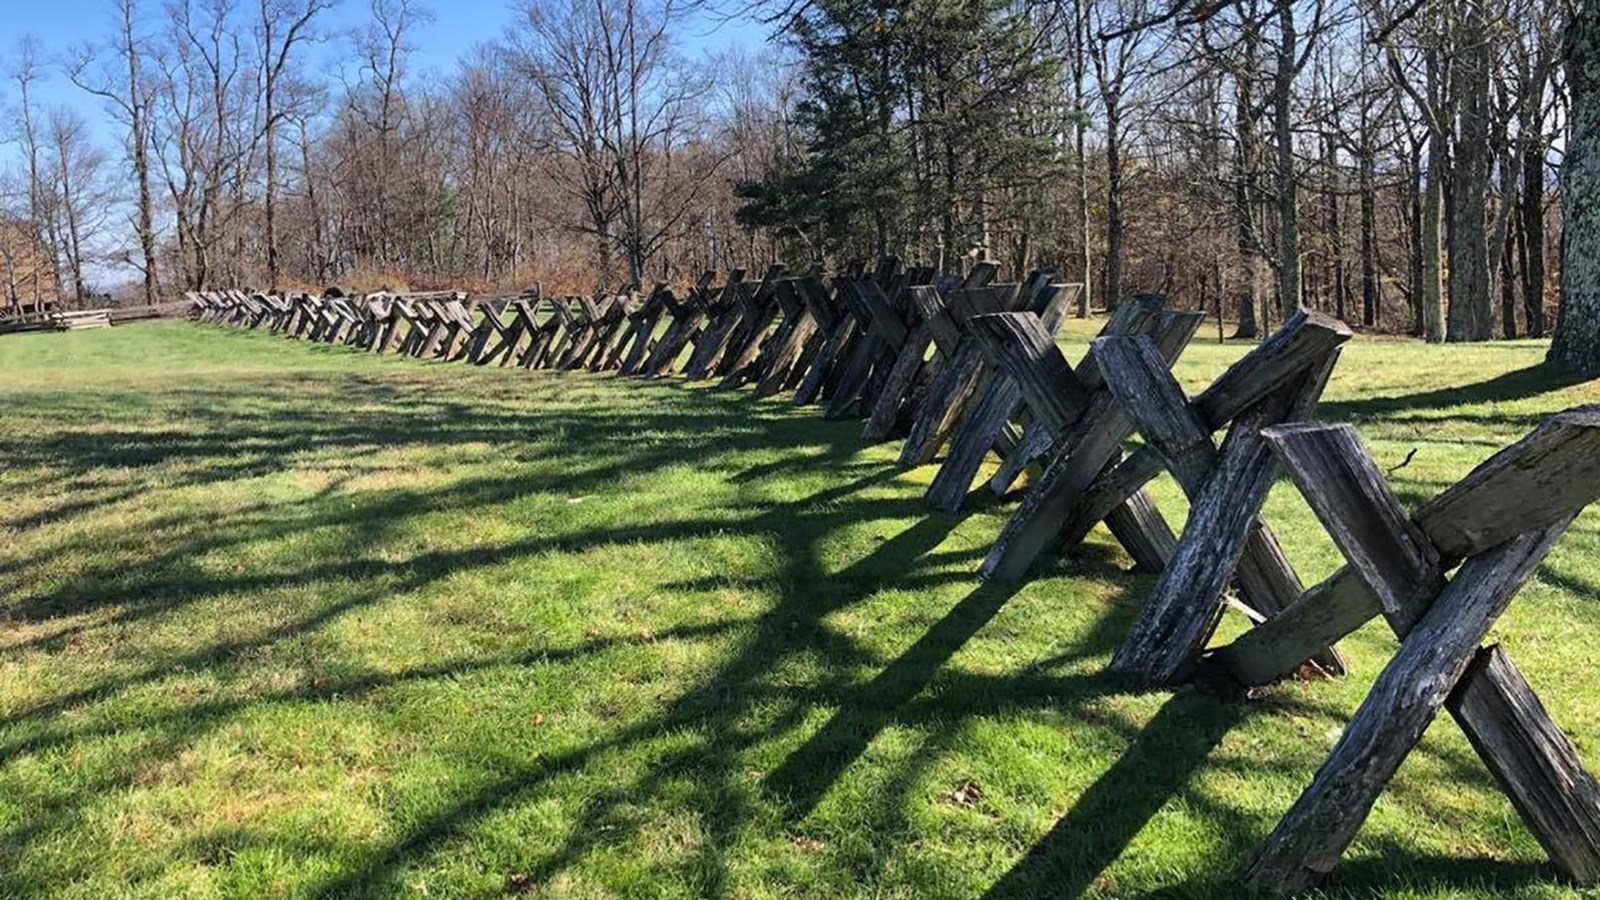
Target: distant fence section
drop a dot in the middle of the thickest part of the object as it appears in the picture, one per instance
(78, 320)
(966, 372)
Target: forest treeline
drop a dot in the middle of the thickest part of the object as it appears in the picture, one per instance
(1392, 162)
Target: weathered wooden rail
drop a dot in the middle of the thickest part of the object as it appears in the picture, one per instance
(967, 372)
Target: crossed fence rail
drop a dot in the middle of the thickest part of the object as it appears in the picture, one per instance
(965, 369)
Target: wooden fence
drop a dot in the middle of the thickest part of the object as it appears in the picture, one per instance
(964, 369)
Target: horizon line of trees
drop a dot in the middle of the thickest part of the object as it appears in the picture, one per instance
(1392, 162)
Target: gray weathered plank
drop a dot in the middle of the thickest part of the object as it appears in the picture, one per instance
(1307, 843)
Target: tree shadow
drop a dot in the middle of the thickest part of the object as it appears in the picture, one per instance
(1519, 384)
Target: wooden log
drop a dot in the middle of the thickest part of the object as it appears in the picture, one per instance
(461, 325)
(723, 320)
(942, 405)
(902, 374)
(1396, 570)
(642, 332)
(539, 345)
(503, 344)
(1140, 528)
(785, 350)
(614, 327)
(1110, 489)
(1352, 500)
(882, 317)
(1305, 339)
(686, 320)
(1533, 760)
(1307, 843)
(1270, 651)
(582, 319)
(945, 403)
(628, 333)
(832, 335)
(845, 319)
(1020, 345)
(744, 346)
(572, 326)
(833, 343)
(1093, 438)
(853, 376)
(778, 351)
(1227, 489)
(1034, 447)
(1320, 618)
(997, 403)
(1081, 453)
(1558, 462)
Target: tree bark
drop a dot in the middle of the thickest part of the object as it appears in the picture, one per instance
(1530, 236)
(1247, 162)
(1576, 346)
(1371, 300)
(1114, 226)
(1471, 315)
(1283, 170)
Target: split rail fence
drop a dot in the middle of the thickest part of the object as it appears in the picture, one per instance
(964, 369)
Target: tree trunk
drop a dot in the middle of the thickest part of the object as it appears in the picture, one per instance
(1530, 238)
(1414, 273)
(1576, 346)
(1471, 307)
(1508, 292)
(1246, 165)
(1086, 261)
(1371, 302)
(1283, 170)
(270, 198)
(1113, 200)
(1336, 282)
(139, 144)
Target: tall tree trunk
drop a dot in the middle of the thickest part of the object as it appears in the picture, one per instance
(1247, 163)
(1335, 230)
(139, 144)
(1113, 105)
(1414, 274)
(1433, 321)
(1079, 64)
(1530, 242)
(1576, 346)
(1471, 306)
(1370, 302)
(1508, 292)
(270, 199)
(1283, 170)
(1433, 324)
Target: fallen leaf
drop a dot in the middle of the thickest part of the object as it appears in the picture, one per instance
(965, 795)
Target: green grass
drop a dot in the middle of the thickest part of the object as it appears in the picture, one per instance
(293, 621)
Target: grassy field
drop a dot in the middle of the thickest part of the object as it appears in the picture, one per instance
(285, 620)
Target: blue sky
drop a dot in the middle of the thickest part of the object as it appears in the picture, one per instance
(458, 26)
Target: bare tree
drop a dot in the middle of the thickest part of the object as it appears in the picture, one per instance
(283, 25)
(82, 196)
(122, 84)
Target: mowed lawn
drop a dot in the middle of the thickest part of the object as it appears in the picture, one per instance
(285, 620)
